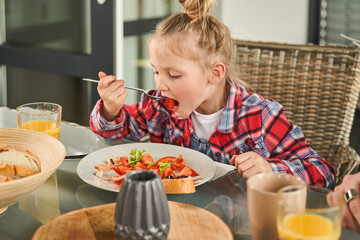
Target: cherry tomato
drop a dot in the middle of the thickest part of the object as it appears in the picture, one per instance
(167, 172)
(179, 163)
(186, 171)
(170, 102)
(139, 166)
(155, 169)
(125, 161)
(121, 170)
(118, 179)
(164, 160)
(146, 159)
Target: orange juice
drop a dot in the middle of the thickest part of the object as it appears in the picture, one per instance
(44, 126)
(308, 226)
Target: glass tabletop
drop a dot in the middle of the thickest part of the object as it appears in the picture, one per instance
(64, 191)
(78, 140)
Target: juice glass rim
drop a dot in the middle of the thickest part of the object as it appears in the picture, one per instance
(18, 109)
(315, 210)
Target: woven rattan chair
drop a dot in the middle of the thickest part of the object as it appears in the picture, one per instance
(319, 88)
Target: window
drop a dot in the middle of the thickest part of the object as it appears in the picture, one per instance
(141, 17)
(338, 17)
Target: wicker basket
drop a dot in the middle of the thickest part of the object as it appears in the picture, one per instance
(319, 88)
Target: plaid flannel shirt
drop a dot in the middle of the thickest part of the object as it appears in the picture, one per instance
(248, 123)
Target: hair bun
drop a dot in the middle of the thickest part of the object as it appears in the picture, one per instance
(197, 8)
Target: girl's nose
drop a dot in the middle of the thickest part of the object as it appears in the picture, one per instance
(160, 83)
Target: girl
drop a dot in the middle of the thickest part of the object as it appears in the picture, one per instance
(191, 54)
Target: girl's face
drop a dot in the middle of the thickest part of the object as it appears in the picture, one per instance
(183, 80)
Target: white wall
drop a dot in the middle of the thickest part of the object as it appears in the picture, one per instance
(266, 20)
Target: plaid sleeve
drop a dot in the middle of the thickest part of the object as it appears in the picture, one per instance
(129, 123)
(289, 151)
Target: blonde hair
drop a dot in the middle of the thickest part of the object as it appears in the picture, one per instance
(212, 37)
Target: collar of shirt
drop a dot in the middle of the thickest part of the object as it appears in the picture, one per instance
(231, 111)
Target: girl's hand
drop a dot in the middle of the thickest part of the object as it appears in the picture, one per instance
(113, 94)
(350, 211)
(250, 163)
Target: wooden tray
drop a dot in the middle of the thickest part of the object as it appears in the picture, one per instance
(186, 222)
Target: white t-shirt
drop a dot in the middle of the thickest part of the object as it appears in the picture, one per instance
(205, 125)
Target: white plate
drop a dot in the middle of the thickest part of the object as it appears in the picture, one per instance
(198, 161)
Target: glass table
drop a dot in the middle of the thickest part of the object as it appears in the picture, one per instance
(65, 191)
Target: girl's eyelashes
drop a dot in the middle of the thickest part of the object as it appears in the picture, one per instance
(173, 76)
(169, 74)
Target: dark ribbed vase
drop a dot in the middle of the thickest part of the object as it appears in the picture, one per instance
(142, 210)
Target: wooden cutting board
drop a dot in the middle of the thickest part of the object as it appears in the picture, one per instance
(186, 222)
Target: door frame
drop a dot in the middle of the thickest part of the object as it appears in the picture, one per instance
(101, 57)
(65, 63)
(313, 22)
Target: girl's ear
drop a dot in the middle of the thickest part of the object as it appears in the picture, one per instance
(218, 71)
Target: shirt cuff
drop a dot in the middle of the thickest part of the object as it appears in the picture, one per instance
(105, 124)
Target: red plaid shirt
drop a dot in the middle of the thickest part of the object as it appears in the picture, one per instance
(248, 123)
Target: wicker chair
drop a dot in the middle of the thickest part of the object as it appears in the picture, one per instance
(319, 88)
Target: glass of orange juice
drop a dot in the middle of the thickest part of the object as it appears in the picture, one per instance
(42, 117)
(318, 217)
(45, 117)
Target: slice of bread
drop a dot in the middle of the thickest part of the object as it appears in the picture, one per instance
(17, 162)
(6, 178)
(179, 185)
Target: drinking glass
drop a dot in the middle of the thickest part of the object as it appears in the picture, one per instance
(42, 117)
(142, 210)
(319, 218)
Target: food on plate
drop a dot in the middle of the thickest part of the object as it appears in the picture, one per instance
(16, 163)
(170, 102)
(181, 184)
(177, 177)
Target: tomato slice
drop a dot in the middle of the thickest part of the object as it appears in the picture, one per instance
(121, 170)
(125, 161)
(170, 102)
(146, 159)
(167, 172)
(117, 179)
(186, 171)
(164, 160)
(155, 169)
(179, 163)
(139, 166)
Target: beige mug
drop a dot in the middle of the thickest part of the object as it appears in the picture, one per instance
(263, 201)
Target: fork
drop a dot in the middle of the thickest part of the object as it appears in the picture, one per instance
(131, 88)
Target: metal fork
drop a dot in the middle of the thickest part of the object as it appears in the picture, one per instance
(131, 88)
